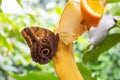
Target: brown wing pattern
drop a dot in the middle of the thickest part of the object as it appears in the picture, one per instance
(42, 42)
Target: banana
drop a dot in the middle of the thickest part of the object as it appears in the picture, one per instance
(65, 64)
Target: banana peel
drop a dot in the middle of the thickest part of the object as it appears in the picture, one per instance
(64, 62)
(69, 24)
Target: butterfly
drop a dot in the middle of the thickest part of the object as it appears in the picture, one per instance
(42, 42)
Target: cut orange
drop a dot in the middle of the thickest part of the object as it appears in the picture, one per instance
(92, 11)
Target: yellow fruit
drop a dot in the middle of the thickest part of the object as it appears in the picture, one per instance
(92, 10)
(69, 23)
(65, 64)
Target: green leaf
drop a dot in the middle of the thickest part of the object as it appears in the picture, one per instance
(0, 2)
(5, 43)
(58, 10)
(118, 22)
(109, 42)
(117, 13)
(1, 10)
(86, 72)
(19, 2)
(113, 1)
(32, 17)
(0, 6)
(35, 76)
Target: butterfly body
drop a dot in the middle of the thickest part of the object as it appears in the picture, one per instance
(42, 42)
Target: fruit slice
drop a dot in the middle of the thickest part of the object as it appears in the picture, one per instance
(69, 23)
(92, 10)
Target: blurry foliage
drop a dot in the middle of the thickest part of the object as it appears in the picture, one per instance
(0, 2)
(36, 76)
(113, 1)
(86, 72)
(110, 41)
(19, 2)
(15, 60)
(113, 8)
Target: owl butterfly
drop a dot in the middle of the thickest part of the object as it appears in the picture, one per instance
(42, 43)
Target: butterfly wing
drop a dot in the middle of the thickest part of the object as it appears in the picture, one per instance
(42, 42)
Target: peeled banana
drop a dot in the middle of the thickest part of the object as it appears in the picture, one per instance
(72, 26)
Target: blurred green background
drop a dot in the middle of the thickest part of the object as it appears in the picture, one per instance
(15, 60)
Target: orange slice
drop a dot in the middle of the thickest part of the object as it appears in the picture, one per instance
(92, 11)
